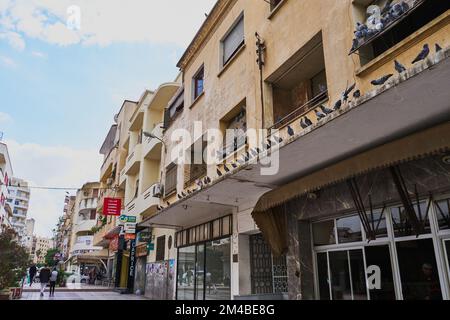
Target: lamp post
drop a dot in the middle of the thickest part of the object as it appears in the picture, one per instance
(152, 136)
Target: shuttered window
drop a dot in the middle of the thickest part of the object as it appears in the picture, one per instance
(160, 248)
(233, 40)
(171, 179)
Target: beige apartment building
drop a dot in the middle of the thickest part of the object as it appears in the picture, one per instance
(39, 249)
(362, 177)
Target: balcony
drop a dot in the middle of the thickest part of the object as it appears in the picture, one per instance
(122, 178)
(20, 215)
(88, 204)
(85, 226)
(108, 165)
(149, 144)
(146, 202)
(22, 205)
(134, 161)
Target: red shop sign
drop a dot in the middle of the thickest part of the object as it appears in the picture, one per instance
(112, 206)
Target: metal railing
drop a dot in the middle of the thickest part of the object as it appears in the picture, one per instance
(302, 110)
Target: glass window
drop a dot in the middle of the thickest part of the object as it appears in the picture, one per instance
(323, 233)
(200, 272)
(349, 229)
(198, 82)
(418, 270)
(379, 257)
(324, 281)
(185, 273)
(358, 275)
(233, 40)
(216, 228)
(447, 251)
(340, 276)
(218, 270)
(160, 248)
(402, 225)
(443, 214)
(377, 221)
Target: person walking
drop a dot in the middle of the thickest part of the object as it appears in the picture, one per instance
(44, 277)
(53, 278)
(32, 271)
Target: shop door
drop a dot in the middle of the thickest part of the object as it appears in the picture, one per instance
(124, 272)
(379, 273)
(342, 275)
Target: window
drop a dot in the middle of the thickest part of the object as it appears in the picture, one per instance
(234, 127)
(323, 233)
(443, 213)
(171, 179)
(349, 229)
(160, 248)
(95, 193)
(136, 189)
(176, 106)
(198, 82)
(197, 166)
(233, 40)
(93, 214)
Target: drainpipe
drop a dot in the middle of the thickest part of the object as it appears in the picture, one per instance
(260, 48)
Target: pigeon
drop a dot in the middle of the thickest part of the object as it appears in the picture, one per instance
(382, 80)
(319, 115)
(397, 10)
(303, 124)
(189, 192)
(226, 168)
(168, 203)
(277, 140)
(179, 197)
(423, 54)
(357, 94)
(387, 7)
(361, 30)
(326, 110)
(234, 165)
(219, 173)
(290, 131)
(208, 180)
(438, 47)
(399, 67)
(159, 208)
(338, 105)
(347, 91)
(183, 194)
(258, 150)
(355, 45)
(308, 122)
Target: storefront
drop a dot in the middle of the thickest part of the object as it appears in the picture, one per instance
(204, 261)
(398, 264)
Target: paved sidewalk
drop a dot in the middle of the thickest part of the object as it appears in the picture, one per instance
(81, 295)
(35, 287)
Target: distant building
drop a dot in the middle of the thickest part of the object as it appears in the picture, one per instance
(18, 199)
(6, 173)
(41, 246)
(27, 239)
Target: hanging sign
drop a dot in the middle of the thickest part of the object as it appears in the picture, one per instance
(112, 206)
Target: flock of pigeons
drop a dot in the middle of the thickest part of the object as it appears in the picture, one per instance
(378, 19)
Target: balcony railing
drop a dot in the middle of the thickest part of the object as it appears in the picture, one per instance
(302, 110)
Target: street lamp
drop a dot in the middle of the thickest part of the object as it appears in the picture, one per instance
(152, 136)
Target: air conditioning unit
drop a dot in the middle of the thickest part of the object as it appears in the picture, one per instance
(157, 191)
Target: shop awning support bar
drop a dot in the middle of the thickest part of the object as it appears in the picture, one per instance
(406, 200)
(359, 205)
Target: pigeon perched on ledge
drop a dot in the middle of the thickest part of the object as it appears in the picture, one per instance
(290, 131)
(326, 110)
(382, 80)
(320, 115)
(357, 94)
(338, 105)
(347, 91)
(423, 54)
(399, 67)
(438, 47)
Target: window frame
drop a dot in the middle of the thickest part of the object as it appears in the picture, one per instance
(195, 79)
(224, 62)
(171, 167)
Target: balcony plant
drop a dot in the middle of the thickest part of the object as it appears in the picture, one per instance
(14, 261)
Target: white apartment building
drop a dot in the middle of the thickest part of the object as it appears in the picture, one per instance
(42, 245)
(27, 240)
(6, 173)
(18, 199)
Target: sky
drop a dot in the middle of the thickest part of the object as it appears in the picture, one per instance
(65, 68)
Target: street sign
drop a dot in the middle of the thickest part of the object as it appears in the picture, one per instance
(130, 231)
(144, 236)
(130, 236)
(150, 246)
(124, 219)
(129, 225)
(112, 206)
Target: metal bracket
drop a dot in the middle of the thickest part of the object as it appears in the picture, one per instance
(359, 204)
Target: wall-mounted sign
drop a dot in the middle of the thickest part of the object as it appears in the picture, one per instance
(124, 219)
(150, 246)
(130, 236)
(112, 206)
(144, 236)
(141, 250)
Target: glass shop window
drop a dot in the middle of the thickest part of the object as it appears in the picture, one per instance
(402, 224)
(443, 214)
(349, 229)
(323, 233)
(377, 221)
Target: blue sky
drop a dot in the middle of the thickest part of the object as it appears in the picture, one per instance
(60, 87)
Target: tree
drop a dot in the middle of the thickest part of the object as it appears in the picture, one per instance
(14, 260)
(50, 257)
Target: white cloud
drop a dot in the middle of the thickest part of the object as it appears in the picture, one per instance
(51, 167)
(5, 118)
(103, 22)
(14, 39)
(7, 62)
(39, 54)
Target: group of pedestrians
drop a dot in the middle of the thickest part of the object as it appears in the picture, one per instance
(46, 277)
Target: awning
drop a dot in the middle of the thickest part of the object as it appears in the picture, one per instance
(270, 206)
